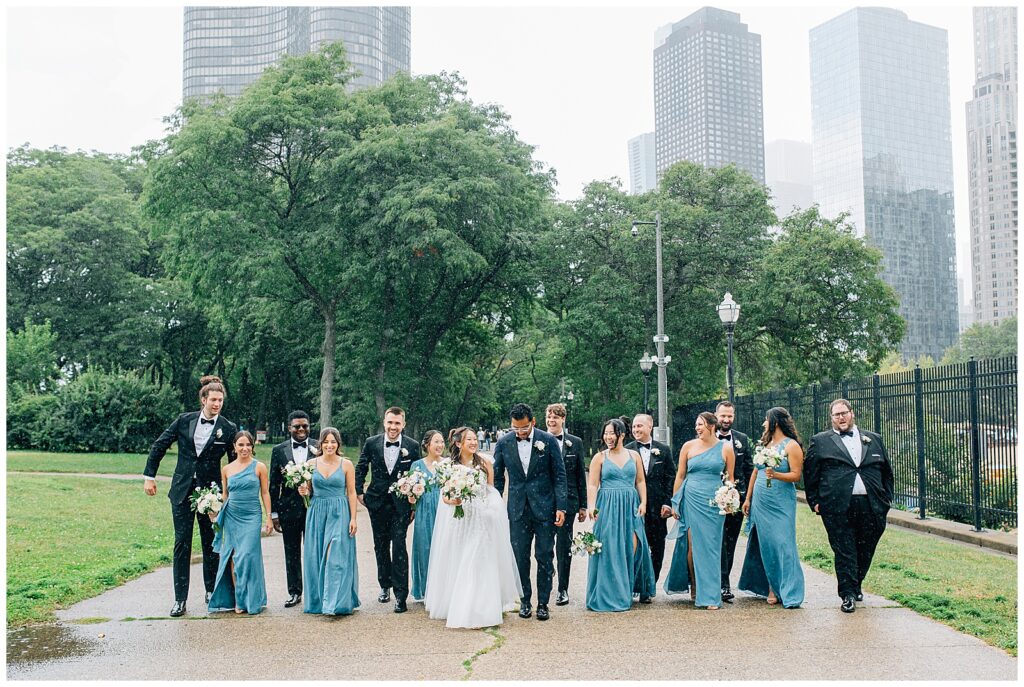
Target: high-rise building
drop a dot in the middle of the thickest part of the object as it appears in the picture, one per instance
(708, 93)
(789, 175)
(642, 177)
(227, 48)
(992, 164)
(882, 152)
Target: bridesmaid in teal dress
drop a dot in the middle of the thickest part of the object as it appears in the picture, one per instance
(696, 560)
(329, 574)
(617, 498)
(772, 564)
(426, 511)
(240, 584)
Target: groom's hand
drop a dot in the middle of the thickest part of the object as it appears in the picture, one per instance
(149, 486)
(559, 518)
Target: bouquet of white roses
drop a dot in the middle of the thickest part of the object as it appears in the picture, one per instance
(765, 457)
(297, 474)
(585, 544)
(459, 481)
(412, 485)
(207, 501)
(726, 498)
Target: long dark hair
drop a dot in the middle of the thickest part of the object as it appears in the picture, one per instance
(778, 417)
(455, 439)
(618, 426)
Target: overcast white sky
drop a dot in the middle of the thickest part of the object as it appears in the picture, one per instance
(576, 79)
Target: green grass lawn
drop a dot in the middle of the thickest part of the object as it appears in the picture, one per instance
(969, 590)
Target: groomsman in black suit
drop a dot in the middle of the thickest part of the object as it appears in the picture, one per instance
(848, 481)
(203, 437)
(660, 473)
(744, 468)
(387, 457)
(288, 510)
(576, 494)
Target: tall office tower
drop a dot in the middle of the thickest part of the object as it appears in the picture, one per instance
(642, 177)
(882, 152)
(227, 48)
(789, 175)
(992, 163)
(707, 93)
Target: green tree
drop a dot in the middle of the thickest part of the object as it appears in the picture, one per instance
(31, 359)
(984, 341)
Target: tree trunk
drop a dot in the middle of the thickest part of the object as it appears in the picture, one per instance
(378, 393)
(327, 378)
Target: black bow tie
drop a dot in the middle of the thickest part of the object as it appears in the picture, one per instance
(298, 444)
(848, 433)
(725, 436)
(527, 440)
(389, 444)
(204, 421)
(643, 445)
(559, 437)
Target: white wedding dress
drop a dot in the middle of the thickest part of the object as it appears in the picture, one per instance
(472, 575)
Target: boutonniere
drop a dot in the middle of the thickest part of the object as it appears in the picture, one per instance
(568, 443)
(539, 445)
(220, 433)
(865, 439)
(655, 451)
(405, 452)
(739, 445)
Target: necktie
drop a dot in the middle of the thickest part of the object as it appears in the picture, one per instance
(298, 444)
(848, 433)
(204, 421)
(389, 444)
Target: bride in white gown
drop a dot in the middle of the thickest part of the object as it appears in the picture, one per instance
(472, 575)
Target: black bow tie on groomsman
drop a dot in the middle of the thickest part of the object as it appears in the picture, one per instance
(725, 437)
(559, 437)
(298, 444)
(527, 440)
(643, 445)
(847, 433)
(204, 421)
(389, 444)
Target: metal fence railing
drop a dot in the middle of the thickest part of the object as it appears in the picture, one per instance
(951, 432)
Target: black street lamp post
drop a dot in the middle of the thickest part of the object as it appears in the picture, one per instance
(729, 313)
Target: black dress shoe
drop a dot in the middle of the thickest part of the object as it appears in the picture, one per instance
(644, 599)
(525, 609)
(542, 612)
(400, 606)
(727, 594)
(859, 596)
(562, 599)
(178, 609)
(293, 600)
(208, 595)
(848, 605)
(384, 596)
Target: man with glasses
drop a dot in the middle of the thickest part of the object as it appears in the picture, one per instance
(848, 481)
(288, 510)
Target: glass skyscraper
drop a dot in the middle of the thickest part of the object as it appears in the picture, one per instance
(227, 48)
(708, 94)
(642, 177)
(882, 152)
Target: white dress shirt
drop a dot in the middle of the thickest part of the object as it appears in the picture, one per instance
(301, 454)
(525, 451)
(203, 432)
(391, 453)
(853, 446)
(645, 455)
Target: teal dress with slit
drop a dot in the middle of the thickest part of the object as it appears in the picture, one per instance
(422, 531)
(330, 577)
(238, 542)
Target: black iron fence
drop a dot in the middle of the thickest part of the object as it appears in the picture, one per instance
(951, 432)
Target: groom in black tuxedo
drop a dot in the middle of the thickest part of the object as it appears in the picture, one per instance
(576, 493)
(288, 510)
(387, 457)
(660, 474)
(744, 468)
(204, 438)
(536, 501)
(848, 481)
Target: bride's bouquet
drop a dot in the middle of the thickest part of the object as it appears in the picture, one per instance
(767, 457)
(297, 474)
(207, 501)
(412, 485)
(585, 544)
(458, 481)
(726, 498)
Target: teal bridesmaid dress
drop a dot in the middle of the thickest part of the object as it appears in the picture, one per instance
(622, 568)
(701, 519)
(330, 578)
(239, 541)
(772, 559)
(422, 531)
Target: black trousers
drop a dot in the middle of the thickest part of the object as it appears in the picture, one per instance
(563, 548)
(293, 530)
(390, 530)
(656, 528)
(730, 535)
(853, 536)
(184, 520)
(540, 534)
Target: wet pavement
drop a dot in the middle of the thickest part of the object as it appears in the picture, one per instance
(125, 633)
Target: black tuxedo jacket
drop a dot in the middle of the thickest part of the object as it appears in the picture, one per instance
(205, 467)
(743, 466)
(371, 459)
(829, 473)
(575, 473)
(660, 476)
(284, 500)
(544, 487)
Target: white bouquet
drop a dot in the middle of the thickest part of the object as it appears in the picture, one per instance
(459, 481)
(208, 501)
(765, 457)
(726, 498)
(585, 544)
(297, 474)
(412, 485)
